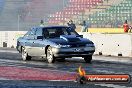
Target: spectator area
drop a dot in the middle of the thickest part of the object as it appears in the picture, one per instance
(113, 16)
(98, 13)
(72, 8)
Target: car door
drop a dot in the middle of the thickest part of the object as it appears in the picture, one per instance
(29, 39)
(38, 43)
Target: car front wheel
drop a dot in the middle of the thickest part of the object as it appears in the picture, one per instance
(25, 55)
(88, 59)
(50, 57)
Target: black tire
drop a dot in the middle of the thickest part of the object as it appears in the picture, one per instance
(88, 59)
(25, 55)
(49, 55)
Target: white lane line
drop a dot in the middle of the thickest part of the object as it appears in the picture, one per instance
(8, 51)
(4, 79)
(112, 85)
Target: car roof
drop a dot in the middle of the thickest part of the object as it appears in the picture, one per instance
(50, 27)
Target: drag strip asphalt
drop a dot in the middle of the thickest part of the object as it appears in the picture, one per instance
(34, 73)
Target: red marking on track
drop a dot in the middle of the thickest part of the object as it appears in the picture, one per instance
(17, 73)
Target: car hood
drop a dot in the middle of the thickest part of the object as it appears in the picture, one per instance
(70, 39)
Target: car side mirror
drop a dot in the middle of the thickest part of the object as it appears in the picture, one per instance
(39, 37)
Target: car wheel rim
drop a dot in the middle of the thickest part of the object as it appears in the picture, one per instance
(49, 55)
(24, 55)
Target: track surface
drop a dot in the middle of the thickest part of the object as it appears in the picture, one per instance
(15, 73)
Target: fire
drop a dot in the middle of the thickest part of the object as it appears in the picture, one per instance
(81, 71)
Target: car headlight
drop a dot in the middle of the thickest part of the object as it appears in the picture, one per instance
(89, 44)
(63, 46)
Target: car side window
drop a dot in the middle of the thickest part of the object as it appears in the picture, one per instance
(38, 32)
(33, 31)
(45, 33)
(30, 34)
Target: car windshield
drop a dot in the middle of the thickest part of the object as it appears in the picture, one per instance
(54, 32)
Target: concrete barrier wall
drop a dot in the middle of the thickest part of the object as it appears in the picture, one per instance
(10, 37)
(111, 44)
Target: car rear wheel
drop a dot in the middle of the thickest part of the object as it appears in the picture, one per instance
(50, 57)
(25, 55)
(88, 59)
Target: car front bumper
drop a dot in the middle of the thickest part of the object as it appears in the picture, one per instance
(73, 52)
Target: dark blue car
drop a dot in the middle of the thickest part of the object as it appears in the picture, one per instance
(53, 43)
